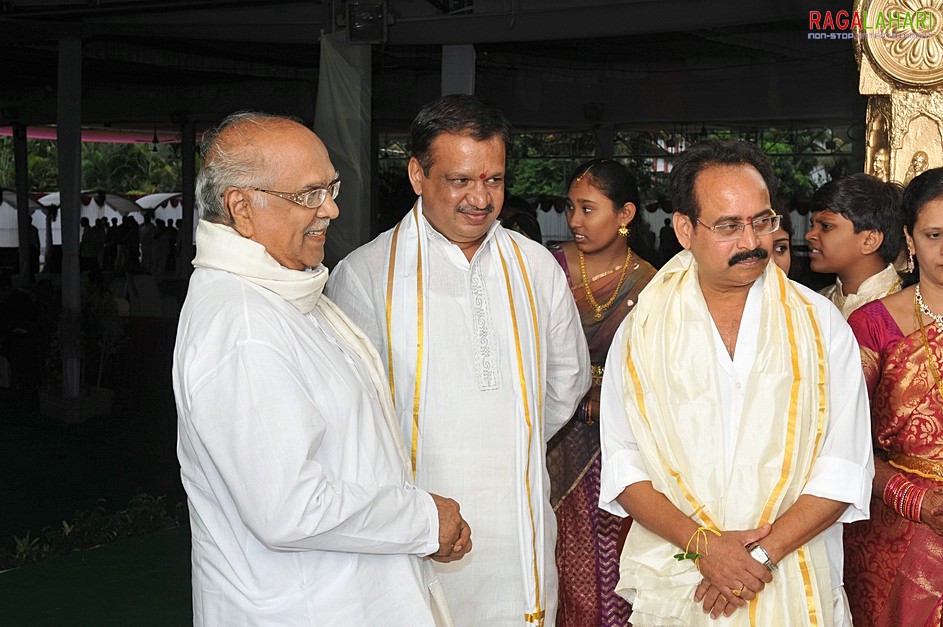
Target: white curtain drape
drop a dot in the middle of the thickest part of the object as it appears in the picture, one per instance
(342, 121)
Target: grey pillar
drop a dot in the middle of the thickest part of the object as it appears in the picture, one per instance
(458, 69)
(605, 138)
(22, 202)
(69, 137)
(188, 162)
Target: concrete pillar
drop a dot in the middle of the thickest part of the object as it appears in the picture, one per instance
(22, 201)
(69, 137)
(458, 69)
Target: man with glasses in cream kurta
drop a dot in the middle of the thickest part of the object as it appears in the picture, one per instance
(734, 417)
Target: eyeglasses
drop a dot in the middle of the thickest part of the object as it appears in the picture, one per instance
(729, 231)
(311, 198)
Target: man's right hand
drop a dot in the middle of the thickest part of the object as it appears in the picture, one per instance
(454, 532)
(728, 567)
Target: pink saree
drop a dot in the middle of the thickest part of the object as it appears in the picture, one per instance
(894, 567)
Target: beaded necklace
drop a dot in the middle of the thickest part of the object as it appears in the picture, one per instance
(921, 308)
(597, 308)
(918, 302)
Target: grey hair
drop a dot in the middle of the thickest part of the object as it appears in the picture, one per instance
(231, 164)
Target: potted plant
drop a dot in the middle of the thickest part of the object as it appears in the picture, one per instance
(97, 332)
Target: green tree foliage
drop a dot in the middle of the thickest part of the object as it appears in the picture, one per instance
(119, 168)
(536, 176)
(793, 171)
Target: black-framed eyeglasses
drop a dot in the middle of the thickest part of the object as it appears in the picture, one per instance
(310, 198)
(729, 231)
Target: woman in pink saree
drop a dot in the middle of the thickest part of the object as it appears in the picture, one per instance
(605, 277)
(894, 561)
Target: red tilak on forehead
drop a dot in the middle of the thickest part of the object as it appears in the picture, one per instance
(482, 176)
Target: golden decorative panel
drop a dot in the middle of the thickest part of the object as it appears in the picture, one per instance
(899, 47)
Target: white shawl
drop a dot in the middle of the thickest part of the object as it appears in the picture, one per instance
(671, 393)
(222, 248)
(406, 303)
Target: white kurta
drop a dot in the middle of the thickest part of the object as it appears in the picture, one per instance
(468, 443)
(300, 508)
(843, 470)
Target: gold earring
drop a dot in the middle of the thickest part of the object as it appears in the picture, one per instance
(910, 261)
(623, 230)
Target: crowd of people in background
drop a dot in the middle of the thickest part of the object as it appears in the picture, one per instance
(152, 246)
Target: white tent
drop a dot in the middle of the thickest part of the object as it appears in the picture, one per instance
(8, 225)
(95, 205)
(166, 205)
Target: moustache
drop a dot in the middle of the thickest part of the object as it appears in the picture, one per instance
(318, 227)
(471, 209)
(756, 253)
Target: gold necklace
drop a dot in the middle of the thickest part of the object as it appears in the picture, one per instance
(599, 309)
(893, 289)
(920, 307)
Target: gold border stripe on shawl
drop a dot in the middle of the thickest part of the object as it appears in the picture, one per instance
(389, 311)
(533, 315)
(823, 393)
(820, 429)
(538, 614)
(791, 427)
(807, 583)
(419, 342)
(699, 510)
(793, 402)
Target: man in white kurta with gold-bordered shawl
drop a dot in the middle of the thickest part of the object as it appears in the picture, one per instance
(738, 448)
(487, 361)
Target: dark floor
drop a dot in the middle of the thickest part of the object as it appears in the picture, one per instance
(51, 469)
(140, 581)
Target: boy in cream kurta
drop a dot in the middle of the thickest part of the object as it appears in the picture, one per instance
(857, 233)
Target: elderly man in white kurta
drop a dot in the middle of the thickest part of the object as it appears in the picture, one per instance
(301, 508)
(486, 358)
(734, 419)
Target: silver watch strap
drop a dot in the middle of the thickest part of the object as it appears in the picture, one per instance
(758, 553)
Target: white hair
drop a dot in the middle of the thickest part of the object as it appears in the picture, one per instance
(227, 164)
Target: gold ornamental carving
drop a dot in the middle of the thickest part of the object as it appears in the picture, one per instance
(899, 47)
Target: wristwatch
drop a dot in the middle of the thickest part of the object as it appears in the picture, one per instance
(758, 553)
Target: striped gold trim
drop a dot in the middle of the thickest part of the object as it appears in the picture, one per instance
(699, 509)
(535, 617)
(533, 315)
(527, 420)
(807, 583)
(797, 380)
(920, 466)
(793, 404)
(389, 311)
(417, 391)
(823, 392)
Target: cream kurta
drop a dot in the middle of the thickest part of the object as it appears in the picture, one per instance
(842, 470)
(300, 508)
(884, 283)
(470, 402)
